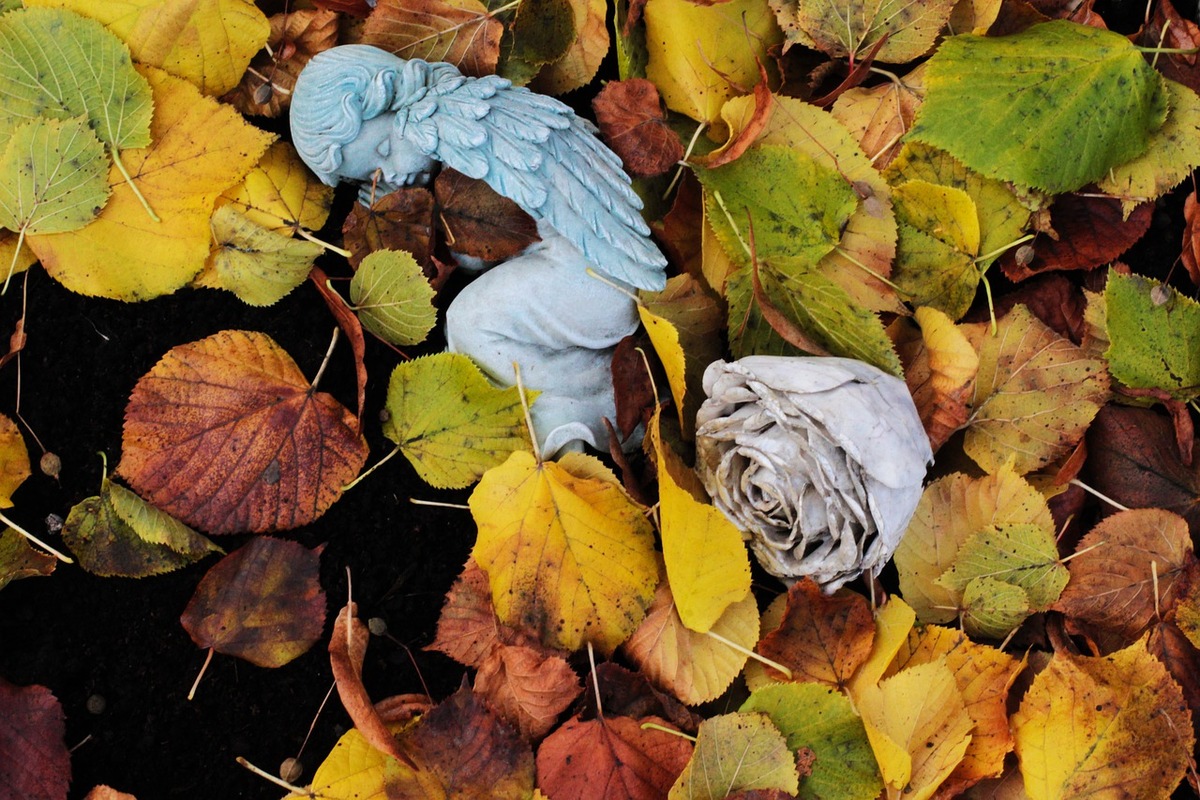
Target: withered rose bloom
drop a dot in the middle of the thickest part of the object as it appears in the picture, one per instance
(819, 461)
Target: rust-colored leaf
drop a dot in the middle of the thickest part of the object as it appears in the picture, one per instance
(402, 220)
(263, 603)
(681, 231)
(527, 687)
(468, 630)
(1091, 232)
(348, 321)
(1169, 29)
(461, 32)
(821, 638)
(355, 8)
(631, 694)
(1172, 647)
(611, 758)
(632, 122)
(34, 762)
(1191, 238)
(107, 793)
(296, 36)
(633, 385)
(480, 222)
(940, 368)
(227, 435)
(1053, 299)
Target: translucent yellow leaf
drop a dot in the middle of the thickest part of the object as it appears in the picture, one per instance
(14, 460)
(393, 298)
(951, 510)
(939, 239)
(199, 149)
(206, 42)
(1102, 726)
(569, 558)
(1035, 394)
(880, 115)
(258, 265)
(919, 727)
(893, 621)
(695, 667)
(736, 753)
(354, 770)
(699, 53)
(280, 193)
(450, 422)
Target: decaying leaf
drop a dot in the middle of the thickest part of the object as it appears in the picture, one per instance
(853, 27)
(392, 297)
(468, 630)
(258, 265)
(939, 367)
(296, 36)
(227, 435)
(34, 762)
(399, 220)
(822, 638)
(527, 687)
(542, 33)
(632, 123)
(734, 753)
(879, 116)
(479, 221)
(19, 560)
(580, 63)
(461, 32)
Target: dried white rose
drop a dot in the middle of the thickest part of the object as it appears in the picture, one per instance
(819, 461)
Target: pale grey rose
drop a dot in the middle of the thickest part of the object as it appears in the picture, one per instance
(819, 461)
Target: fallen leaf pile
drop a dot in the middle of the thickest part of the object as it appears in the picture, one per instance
(941, 189)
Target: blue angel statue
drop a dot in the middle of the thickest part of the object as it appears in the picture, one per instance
(364, 115)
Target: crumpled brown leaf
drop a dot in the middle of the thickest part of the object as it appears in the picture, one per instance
(297, 36)
(632, 122)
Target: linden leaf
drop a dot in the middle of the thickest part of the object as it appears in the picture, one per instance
(992, 608)
(1152, 345)
(821, 638)
(823, 721)
(919, 728)
(610, 757)
(227, 435)
(199, 149)
(1102, 725)
(263, 603)
(467, 628)
(354, 768)
(206, 42)
(260, 266)
(527, 687)
(19, 258)
(1049, 82)
(567, 553)
(1035, 393)
(296, 36)
(1022, 554)
(392, 297)
(34, 761)
(736, 753)
(939, 367)
(950, 511)
(939, 240)
(280, 193)
(893, 623)
(450, 423)
(632, 123)
(14, 460)
(399, 220)
(699, 53)
(118, 533)
(18, 560)
(543, 31)
(879, 116)
(1187, 613)
(853, 27)
(580, 63)
(461, 32)
(694, 667)
(1126, 568)
(478, 220)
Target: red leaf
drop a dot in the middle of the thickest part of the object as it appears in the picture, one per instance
(821, 638)
(34, 762)
(1180, 33)
(478, 220)
(632, 122)
(402, 220)
(1191, 239)
(527, 687)
(348, 321)
(1054, 300)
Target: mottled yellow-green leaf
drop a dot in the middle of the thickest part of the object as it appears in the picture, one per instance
(258, 265)
(280, 193)
(939, 240)
(14, 460)
(19, 560)
(355, 770)
(1022, 554)
(991, 608)
(1152, 345)
(585, 51)
(736, 753)
(853, 27)
(393, 298)
(449, 422)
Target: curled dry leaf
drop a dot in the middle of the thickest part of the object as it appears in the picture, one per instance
(1191, 237)
(348, 321)
(478, 220)
(463, 32)
(34, 762)
(296, 36)
(632, 122)
(399, 220)
(939, 367)
(227, 435)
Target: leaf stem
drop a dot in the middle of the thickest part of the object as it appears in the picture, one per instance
(537, 451)
(687, 153)
(280, 782)
(325, 361)
(1104, 497)
(654, 726)
(16, 255)
(374, 467)
(63, 558)
(437, 503)
(303, 234)
(595, 680)
(116, 157)
(208, 660)
(775, 665)
(1001, 250)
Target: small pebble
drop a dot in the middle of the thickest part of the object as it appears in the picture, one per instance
(96, 704)
(291, 769)
(54, 523)
(377, 626)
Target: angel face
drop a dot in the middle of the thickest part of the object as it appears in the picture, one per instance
(379, 146)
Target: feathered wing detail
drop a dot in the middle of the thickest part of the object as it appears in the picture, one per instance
(535, 151)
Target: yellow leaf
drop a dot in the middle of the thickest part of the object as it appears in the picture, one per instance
(698, 53)
(694, 667)
(206, 42)
(973, 16)
(21, 261)
(14, 460)
(879, 116)
(919, 728)
(939, 367)
(951, 510)
(1035, 394)
(892, 624)
(353, 769)
(939, 239)
(18, 560)
(582, 60)
(260, 266)
(199, 149)
(944, 212)
(1103, 727)
(280, 193)
(570, 558)
(737, 753)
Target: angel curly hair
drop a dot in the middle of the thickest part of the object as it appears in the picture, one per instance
(341, 88)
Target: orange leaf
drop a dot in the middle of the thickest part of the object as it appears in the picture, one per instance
(822, 638)
(348, 321)
(939, 367)
(632, 122)
(107, 793)
(527, 687)
(263, 603)
(463, 33)
(34, 762)
(227, 435)
(468, 630)
(610, 758)
(297, 36)
(1191, 238)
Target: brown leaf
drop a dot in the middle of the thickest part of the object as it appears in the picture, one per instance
(348, 321)
(355, 8)
(632, 383)
(625, 693)
(879, 116)
(227, 435)
(263, 603)
(1053, 299)
(463, 33)
(34, 762)
(479, 221)
(1180, 33)
(611, 757)
(347, 650)
(527, 687)
(1091, 232)
(1132, 458)
(297, 36)
(401, 708)
(633, 124)
(822, 638)
(463, 750)
(468, 630)
(1191, 238)
(940, 368)
(1170, 646)
(19, 560)
(402, 220)
(681, 231)
(107, 793)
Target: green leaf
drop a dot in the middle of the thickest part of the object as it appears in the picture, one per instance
(258, 265)
(1016, 107)
(393, 299)
(736, 753)
(823, 720)
(798, 207)
(542, 33)
(18, 560)
(1152, 344)
(991, 608)
(449, 422)
(57, 64)
(939, 239)
(854, 27)
(1022, 554)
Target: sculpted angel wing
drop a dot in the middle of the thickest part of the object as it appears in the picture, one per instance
(535, 151)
